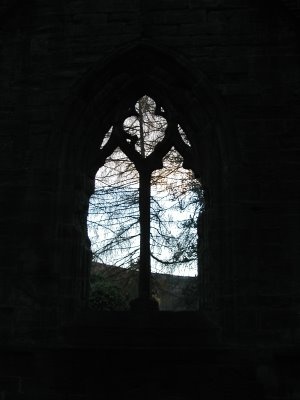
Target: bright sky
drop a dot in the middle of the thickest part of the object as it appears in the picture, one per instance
(174, 217)
(171, 204)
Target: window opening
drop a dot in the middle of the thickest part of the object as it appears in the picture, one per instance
(148, 157)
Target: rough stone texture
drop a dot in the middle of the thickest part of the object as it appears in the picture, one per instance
(230, 71)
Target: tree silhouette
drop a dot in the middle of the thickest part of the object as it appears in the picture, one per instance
(176, 199)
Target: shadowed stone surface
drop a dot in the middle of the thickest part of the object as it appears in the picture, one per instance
(229, 71)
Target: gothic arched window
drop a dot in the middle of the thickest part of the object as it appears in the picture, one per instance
(148, 137)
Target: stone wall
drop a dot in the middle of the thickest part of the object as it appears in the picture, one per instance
(231, 72)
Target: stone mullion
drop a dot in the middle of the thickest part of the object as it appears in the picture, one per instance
(145, 256)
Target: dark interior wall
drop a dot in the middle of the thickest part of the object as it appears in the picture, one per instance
(234, 62)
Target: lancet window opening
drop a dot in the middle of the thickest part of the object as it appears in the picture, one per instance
(146, 149)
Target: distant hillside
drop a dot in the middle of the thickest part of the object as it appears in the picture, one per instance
(173, 292)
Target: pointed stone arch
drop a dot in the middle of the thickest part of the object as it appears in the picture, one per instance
(91, 109)
(128, 74)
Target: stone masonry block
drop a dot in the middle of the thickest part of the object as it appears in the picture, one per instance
(10, 384)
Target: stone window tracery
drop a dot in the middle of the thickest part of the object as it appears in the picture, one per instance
(146, 149)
